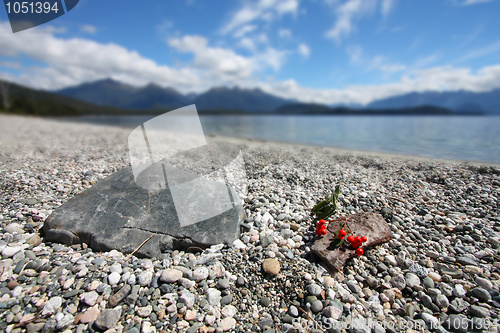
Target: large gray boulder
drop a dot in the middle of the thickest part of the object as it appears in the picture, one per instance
(117, 214)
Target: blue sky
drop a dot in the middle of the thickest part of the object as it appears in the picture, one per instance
(325, 51)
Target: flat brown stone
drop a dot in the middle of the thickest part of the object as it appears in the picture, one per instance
(371, 225)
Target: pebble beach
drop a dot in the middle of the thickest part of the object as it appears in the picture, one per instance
(439, 273)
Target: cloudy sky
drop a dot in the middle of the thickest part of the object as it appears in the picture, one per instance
(325, 51)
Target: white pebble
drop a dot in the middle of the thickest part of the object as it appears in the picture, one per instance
(114, 278)
(238, 244)
(10, 251)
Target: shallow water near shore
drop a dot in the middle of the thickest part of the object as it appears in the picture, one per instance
(466, 138)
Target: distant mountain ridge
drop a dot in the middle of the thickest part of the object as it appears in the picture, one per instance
(109, 92)
(459, 101)
(253, 100)
(112, 93)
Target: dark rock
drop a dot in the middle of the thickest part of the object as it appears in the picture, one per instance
(20, 266)
(381, 267)
(50, 326)
(112, 215)
(463, 260)
(370, 224)
(481, 294)
(120, 295)
(479, 311)
(453, 272)
(287, 319)
(265, 301)
(70, 294)
(226, 300)
(386, 211)
(428, 282)
(311, 299)
(427, 302)
(316, 306)
(223, 284)
(266, 323)
(423, 212)
(240, 282)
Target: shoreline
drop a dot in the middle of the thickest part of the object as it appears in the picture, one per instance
(444, 256)
(334, 148)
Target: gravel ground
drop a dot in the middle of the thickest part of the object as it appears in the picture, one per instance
(441, 271)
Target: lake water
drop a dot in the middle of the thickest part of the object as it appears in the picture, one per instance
(467, 138)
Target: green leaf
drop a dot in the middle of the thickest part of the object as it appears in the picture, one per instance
(336, 242)
(326, 208)
(329, 210)
(337, 190)
(320, 205)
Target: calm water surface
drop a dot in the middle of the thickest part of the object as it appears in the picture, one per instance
(468, 138)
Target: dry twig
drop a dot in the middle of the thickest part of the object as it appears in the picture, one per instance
(138, 248)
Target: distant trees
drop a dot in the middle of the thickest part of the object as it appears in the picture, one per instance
(4, 91)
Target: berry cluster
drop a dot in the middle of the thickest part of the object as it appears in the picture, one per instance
(321, 228)
(355, 241)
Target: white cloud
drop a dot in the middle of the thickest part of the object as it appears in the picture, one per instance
(284, 33)
(346, 14)
(225, 64)
(433, 79)
(244, 30)
(352, 10)
(474, 2)
(263, 9)
(89, 29)
(247, 43)
(73, 61)
(272, 58)
(387, 6)
(304, 50)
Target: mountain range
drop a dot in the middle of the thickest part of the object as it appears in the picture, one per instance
(113, 97)
(458, 101)
(112, 93)
(109, 92)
